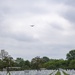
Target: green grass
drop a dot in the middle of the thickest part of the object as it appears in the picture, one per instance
(51, 73)
(58, 73)
(65, 73)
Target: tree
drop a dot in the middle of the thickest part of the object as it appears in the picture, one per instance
(71, 55)
(7, 63)
(51, 64)
(72, 64)
(45, 59)
(1, 65)
(27, 64)
(36, 63)
(20, 62)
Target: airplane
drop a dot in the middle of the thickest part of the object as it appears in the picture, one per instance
(32, 25)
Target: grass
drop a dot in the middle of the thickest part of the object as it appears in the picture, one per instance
(58, 73)
(65, 73)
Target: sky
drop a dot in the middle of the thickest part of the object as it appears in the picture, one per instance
(53, 34)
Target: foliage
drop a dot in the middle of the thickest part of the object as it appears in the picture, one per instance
(71, 55)
(39, 63)
(72, 64)
(36, 63)
(45, 59)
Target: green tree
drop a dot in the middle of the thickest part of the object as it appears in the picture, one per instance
(71, 55)
(27, 65)
(50, 65)
(72, 64)
(36, 63)
(1, 65)
(45, 59)
(20, 62)
(8, 62)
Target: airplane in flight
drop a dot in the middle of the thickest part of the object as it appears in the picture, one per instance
(32, 25)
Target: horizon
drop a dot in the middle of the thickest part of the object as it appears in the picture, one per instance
(7, 54)
(53, 33)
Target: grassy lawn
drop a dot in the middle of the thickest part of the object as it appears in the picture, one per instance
(58, 73)
(65, 73)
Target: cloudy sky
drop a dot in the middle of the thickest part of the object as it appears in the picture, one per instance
(53, 34)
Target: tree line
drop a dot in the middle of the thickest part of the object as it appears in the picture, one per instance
(39, 63)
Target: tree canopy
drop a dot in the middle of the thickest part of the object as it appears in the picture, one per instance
(39, 62)
(71, 55)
